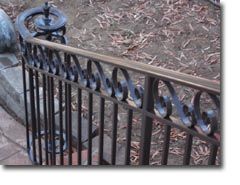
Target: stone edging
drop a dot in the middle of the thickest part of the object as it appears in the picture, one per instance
(11, 96)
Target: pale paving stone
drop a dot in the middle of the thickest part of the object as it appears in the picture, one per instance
(12, 129)
(75, 125)
(8, 150)
(20, 158)
(3, 140)
(12, 141)
(120, 153)
(21, 114)
(11, 81)
(84, 158)
(11, 92)
(7, 60)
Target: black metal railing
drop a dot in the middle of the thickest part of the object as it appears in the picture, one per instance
(53, 71)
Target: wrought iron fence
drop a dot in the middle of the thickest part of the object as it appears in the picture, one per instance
(52, 70)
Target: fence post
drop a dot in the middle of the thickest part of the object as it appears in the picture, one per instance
(146, 129)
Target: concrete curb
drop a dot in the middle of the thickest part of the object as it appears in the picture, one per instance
(11, 90)
(11, 95)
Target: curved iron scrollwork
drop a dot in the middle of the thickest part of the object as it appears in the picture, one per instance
(190, 115)
(123, 90)
(49, 22)
(49, 146)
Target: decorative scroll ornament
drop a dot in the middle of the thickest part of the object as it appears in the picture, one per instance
(124, 89)
(93, 76)
(189, 115)
(49, 22)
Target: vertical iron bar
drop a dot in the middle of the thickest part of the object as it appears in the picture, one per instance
(38, 117)
(45, 119)
(51, 112)
(60, 123)
(67, 63)
(25, 103)
(33, 116)
(90, 101)
(79, 129)
(213, 154)
(167, 129)
(188, 149)
(53, 147)
(101, 130)
(146, 130)
(66, 111)
(69, 112)
(128, 137)
(49, 118)
(114, 133)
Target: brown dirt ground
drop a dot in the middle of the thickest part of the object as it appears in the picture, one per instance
(180, 35)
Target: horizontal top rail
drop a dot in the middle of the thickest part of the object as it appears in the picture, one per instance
(165, 74)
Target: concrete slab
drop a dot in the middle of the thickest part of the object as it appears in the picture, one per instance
(8, 150)
(11, 92)
(12, 129)
(7, 60)
(21, 105)
(107, 150)
(20, 158)
(75, 125)
(12, 141)
(11, 89)
(11, 82)
(15, 107)
(84, 158)
(3, 140)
